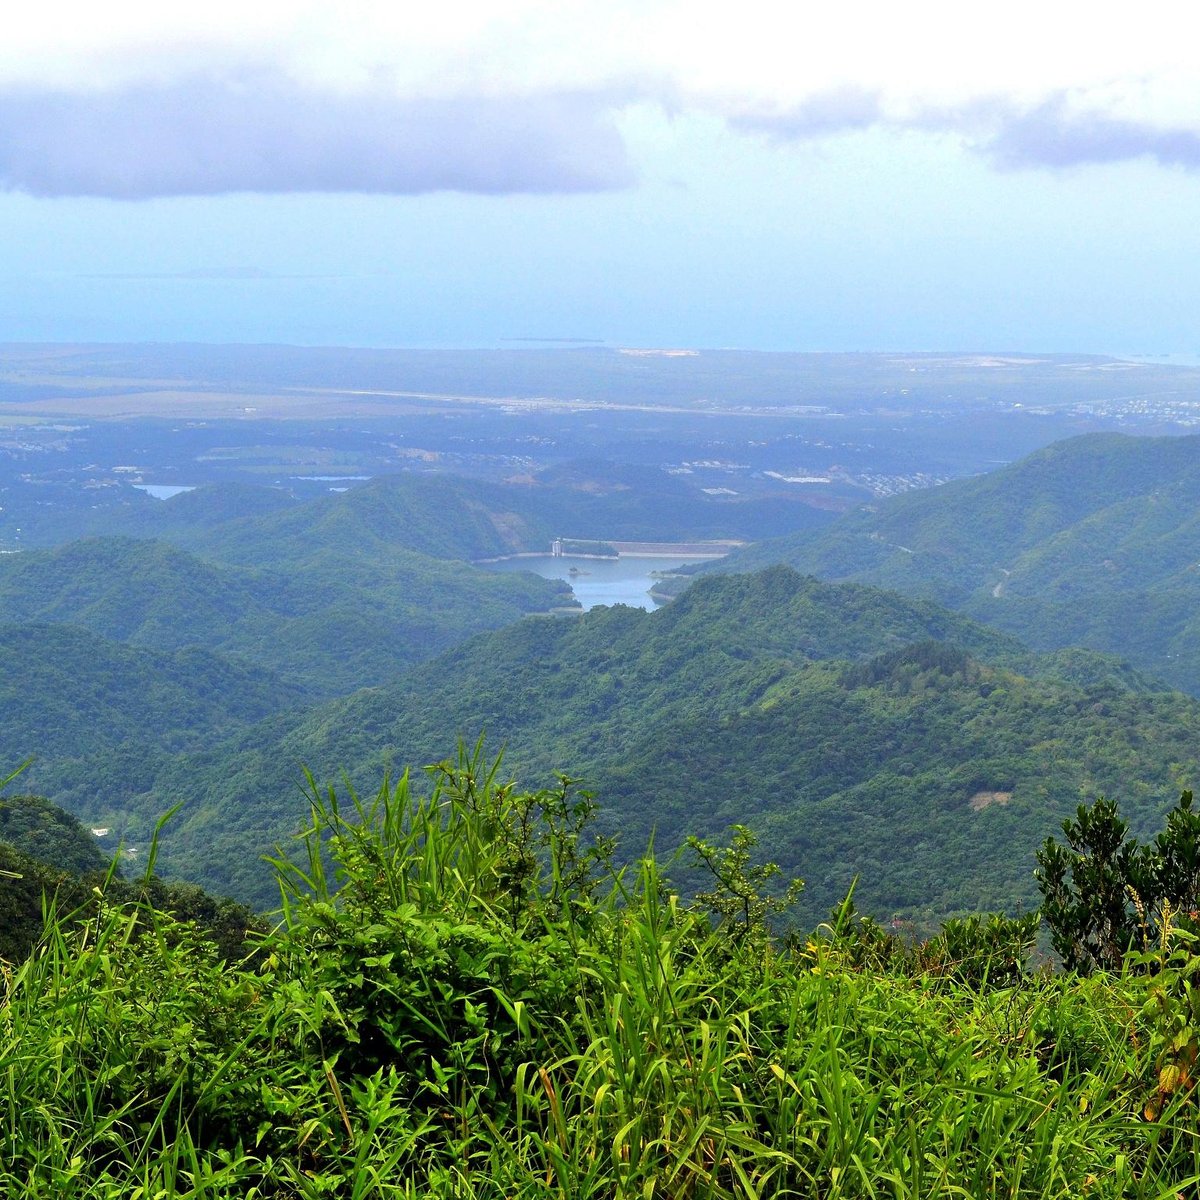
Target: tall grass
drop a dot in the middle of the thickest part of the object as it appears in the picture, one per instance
(463, 999)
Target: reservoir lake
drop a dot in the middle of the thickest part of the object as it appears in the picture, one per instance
(162, 491)
(625, 580)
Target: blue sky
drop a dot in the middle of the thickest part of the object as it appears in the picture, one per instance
(1023, 178)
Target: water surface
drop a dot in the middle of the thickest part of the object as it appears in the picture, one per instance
(599, 580)
(162, 491)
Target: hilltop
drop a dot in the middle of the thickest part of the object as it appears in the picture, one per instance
(839, 720)
(1094, 541)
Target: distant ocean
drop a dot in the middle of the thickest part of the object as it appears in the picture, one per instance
(1162, 360)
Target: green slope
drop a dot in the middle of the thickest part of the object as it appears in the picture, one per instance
(1093, 541)
(144, 592)
(326, 624)
(34, 827)
(863, 733)
(203, 508)
(101, 719)
(441, 516)
(48, 857)
(63, 688)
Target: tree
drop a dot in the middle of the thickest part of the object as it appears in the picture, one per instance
(1104, 894)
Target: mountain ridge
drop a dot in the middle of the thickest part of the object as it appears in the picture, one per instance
(802, 709)
(1094, 541)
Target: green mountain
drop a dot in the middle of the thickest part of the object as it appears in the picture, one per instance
(43, 831)
(449, 516)
(48, 857)
(105, 718)
(201, 508)
(1093, 542)
(327, 622)
(44, 854)
(63, 688)
(861, 733)
(441, 516)
(147, 593)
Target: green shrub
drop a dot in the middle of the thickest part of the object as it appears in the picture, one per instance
(1105, 895)
(462, 999)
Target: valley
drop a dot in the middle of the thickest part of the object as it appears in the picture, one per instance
(265, 646)
(1020, 633)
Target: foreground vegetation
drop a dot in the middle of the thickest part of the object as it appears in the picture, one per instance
(463, 999)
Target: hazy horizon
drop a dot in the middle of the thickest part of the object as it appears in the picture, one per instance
(652, 175)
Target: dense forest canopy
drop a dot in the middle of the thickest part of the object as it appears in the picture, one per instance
(1090, 542)
(833, 719)
(254, 636)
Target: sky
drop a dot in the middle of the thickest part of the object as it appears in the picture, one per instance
(865, 176)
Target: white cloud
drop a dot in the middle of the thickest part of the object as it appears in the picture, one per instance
(1053, 83)
(261, 131)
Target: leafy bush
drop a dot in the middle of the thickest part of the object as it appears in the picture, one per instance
(462, 999)
(1105, 895)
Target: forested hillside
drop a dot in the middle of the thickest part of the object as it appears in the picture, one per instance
(44, 832)
(1093, 541)
(839, 720)
(65, 692)
(329, 620)
(95, 715)
(51, 866)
